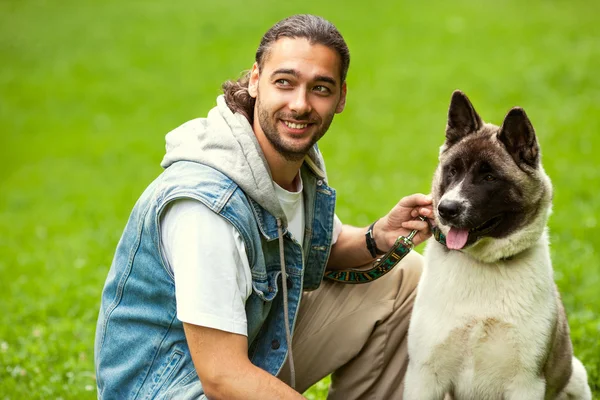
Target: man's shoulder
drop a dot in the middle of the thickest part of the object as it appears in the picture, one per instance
(186, 179)
(190, 172)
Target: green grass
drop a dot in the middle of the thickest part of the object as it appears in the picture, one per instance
(88, 90)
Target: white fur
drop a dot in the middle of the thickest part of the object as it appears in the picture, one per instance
(455, 194)
(457, 303)
(481, 329)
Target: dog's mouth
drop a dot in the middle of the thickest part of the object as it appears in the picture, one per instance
(458, 238)
(487, 226)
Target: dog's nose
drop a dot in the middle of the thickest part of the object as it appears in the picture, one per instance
(449, 209)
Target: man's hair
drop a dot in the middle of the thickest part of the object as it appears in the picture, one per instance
(315, 29)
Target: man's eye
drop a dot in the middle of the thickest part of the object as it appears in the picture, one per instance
(282, 82)
(322, 89)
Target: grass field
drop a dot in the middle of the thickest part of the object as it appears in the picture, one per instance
(88, 89)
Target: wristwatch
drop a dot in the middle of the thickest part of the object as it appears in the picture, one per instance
(371, 244)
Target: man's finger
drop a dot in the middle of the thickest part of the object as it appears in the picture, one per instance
(416, 224)
(415, 200)
(426, 212)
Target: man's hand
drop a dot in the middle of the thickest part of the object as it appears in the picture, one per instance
(402, 219)
(350, 250)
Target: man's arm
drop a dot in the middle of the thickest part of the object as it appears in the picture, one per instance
(210, 301)
(350, 250)
(222, 364)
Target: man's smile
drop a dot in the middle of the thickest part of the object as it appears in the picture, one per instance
(295, 125)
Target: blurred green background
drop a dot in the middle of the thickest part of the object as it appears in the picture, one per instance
(88, 89)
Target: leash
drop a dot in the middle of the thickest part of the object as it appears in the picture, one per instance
(381, 266)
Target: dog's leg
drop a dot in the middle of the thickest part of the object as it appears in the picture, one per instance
(422, 384)
(578, 387)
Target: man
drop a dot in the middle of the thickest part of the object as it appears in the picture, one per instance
(224, 253)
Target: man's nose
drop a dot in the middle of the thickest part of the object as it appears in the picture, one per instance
(300, 103)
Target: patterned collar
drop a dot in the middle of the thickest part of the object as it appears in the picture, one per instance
(437, 234)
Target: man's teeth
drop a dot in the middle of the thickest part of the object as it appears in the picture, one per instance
(295, 126)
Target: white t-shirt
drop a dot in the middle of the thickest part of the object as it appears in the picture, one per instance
(292, 204)
(208, 259)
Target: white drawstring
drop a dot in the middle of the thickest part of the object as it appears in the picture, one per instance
(288, 333)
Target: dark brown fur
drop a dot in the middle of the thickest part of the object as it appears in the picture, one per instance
(482, 154)
(559, 367)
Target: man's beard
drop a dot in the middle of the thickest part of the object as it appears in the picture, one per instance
(288, 152)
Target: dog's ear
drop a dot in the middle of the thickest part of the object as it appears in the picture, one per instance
(462, 118)
(519, 138)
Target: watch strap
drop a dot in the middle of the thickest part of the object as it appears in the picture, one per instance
(371, 244)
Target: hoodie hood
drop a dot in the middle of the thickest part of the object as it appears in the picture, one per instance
(226, 142)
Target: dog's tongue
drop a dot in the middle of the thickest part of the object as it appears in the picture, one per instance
(457, 238)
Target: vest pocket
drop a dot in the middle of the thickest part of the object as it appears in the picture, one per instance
(266, 289)
(165, 372)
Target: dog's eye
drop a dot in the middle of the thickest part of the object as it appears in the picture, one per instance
(451, 171)
(489, 178)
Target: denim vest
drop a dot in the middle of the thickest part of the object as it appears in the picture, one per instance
(140, 348)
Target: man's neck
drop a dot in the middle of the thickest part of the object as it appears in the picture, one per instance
(284, 172)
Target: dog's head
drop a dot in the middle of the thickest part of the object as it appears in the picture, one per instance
(491, 194)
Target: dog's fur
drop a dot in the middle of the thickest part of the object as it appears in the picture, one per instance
(488, 322)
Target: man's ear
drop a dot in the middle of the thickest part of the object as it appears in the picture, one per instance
(342, 102)
(253, 83)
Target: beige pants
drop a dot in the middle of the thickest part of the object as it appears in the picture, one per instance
(358, 333)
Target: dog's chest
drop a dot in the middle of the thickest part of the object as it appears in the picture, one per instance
(482, 350)
(474, 323)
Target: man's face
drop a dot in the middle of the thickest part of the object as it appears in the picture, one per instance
(298, 91)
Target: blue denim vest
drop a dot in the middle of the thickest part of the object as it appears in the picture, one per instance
(140, 348)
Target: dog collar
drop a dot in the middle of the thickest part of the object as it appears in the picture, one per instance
(435, 231)
(437, 234)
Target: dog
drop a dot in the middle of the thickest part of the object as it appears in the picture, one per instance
(488, 322)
